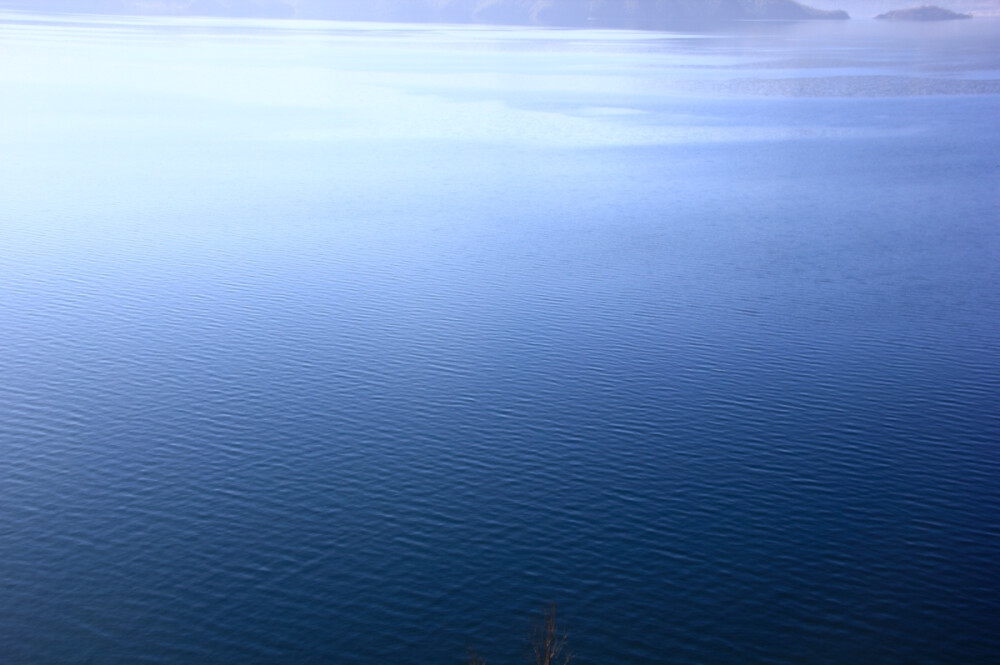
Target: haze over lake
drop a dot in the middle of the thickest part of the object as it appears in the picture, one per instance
(359, 343)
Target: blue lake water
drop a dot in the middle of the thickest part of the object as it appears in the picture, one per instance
(332, 343)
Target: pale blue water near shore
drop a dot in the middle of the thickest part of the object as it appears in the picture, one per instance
(331, 343)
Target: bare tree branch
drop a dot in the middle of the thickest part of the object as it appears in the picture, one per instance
(548, 643)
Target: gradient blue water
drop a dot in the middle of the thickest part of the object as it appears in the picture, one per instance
(358, 344)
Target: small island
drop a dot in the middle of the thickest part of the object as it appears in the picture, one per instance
(924, 13)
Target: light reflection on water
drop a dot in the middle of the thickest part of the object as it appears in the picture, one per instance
(334, 343)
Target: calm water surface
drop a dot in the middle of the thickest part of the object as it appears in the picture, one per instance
(328, 343)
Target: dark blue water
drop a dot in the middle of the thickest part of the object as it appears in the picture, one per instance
(334, 344)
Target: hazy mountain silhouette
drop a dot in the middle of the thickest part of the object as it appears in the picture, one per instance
(649, 14)
(924, 13)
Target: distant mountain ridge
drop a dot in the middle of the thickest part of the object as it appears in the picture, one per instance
(924, 13)
(648, 14)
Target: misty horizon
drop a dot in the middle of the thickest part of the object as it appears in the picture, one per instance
(685, 12)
